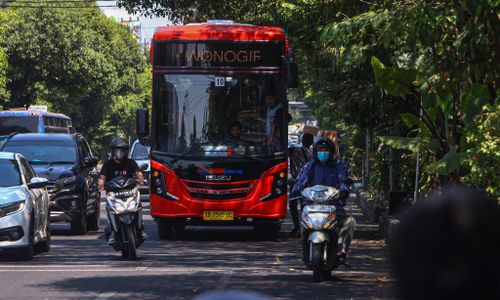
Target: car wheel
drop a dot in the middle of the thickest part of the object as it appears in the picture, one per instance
(94, 219)
(44, 246)
(80, 225)
(26, 253)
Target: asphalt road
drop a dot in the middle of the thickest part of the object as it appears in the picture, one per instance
(207, 259)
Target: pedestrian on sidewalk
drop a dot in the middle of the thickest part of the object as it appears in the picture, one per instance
(327, 170)
(299, 156)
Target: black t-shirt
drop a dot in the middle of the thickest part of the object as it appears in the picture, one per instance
(127, 169)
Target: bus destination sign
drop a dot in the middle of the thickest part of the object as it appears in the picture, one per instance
(219, 54)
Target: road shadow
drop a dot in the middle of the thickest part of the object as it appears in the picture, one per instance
(186, 286)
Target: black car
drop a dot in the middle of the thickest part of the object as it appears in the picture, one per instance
(67, 162)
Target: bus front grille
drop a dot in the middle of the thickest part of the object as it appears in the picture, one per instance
(218, 191)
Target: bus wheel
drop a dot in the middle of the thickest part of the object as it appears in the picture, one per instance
(268, 230)
(171, 229)
(165, 229)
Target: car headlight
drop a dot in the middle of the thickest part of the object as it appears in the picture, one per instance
(67, 180)
(11, 208)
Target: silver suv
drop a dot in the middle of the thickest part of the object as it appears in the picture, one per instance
(140, 154)
(24, 207)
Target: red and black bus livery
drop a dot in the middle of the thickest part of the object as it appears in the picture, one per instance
(219, 90)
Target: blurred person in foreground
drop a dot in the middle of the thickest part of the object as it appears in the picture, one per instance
(449, 248)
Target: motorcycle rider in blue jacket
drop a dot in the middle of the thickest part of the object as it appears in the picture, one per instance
(326, 170)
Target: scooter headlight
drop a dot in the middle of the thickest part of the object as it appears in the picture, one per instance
(119, 207)
(110, 196)
(131, 205)
(329, 221)
(307, 221)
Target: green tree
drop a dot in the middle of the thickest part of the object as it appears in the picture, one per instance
(80, 63)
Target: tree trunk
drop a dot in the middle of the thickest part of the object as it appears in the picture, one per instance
(367, 158)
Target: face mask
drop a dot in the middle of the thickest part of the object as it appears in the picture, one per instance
(120, 154)
(323, 155)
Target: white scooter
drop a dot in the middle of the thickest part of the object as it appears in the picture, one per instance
(124, 212)
(320, 231)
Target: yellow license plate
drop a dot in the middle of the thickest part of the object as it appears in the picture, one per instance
(218, 216)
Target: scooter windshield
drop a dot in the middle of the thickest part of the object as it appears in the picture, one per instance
(320, 193)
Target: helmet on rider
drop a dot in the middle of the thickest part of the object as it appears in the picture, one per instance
(324, 150)
(119, 148)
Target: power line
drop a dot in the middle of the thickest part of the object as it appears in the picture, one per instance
(53, 6)
(60, 1)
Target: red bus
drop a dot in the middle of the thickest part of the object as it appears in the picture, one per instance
(218, 131)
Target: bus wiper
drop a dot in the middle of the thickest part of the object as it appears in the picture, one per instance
(37, 162)
(184, 154)
(61, 162)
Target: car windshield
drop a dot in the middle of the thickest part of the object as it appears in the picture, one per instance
(207, 115)
(11, 176)
(21, 124)
(140, 152)
(45, 152)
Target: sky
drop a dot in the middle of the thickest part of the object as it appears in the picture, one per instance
(148, 25)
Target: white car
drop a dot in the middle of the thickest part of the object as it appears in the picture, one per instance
(24, 208)
(140, 154)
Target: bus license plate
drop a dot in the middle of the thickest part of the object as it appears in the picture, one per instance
(218, 216)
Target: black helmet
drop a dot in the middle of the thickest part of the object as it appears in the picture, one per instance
(119, 148)
(119, 143)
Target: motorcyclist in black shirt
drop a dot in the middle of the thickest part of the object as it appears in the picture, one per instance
(120, 165)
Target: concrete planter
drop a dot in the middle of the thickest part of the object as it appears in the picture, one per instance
(370, 208)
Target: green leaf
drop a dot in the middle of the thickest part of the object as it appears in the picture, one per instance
(396, 81)
(450, 162)
(412, 121)
(474, 97)
(404, 143)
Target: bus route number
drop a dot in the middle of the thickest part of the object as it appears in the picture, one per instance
(220, 81)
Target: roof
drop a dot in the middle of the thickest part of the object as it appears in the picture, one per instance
(205, 31)
(53, 137)
(7, 155)
(31, 113)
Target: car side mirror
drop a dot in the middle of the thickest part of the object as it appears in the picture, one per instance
(37, 183)
(90, 161)
(142, 126)
(293, 75)
(144, 167)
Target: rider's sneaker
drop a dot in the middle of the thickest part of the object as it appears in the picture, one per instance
(341, 257)
(111, 239)
(294, 233)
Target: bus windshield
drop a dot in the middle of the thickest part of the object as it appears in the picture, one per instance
(21, 124)
(213, 115)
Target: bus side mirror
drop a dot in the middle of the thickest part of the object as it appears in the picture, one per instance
(142, 128)
(293, 75)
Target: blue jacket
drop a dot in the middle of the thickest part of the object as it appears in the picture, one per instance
(332, 174)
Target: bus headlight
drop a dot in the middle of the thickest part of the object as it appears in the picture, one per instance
(158, 186)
